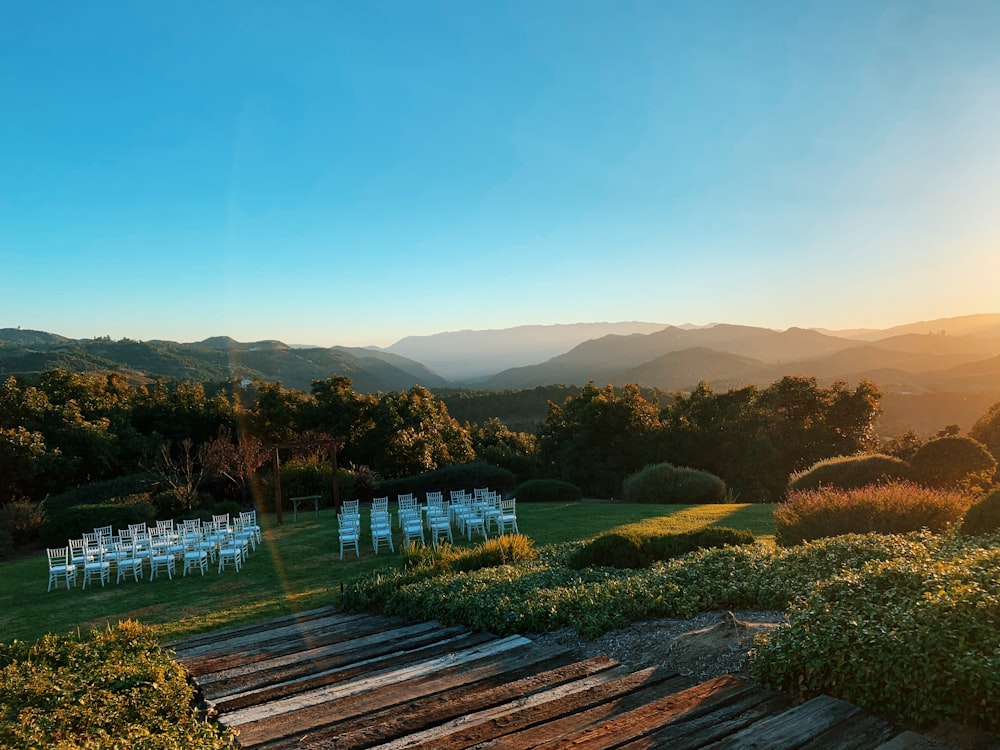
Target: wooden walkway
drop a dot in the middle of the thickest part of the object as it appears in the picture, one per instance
(323, 679)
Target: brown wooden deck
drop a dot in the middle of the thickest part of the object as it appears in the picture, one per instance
(323, 679)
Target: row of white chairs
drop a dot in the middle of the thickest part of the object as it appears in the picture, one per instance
(478, 513)
(225, 542)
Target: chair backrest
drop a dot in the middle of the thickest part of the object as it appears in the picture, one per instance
(58, 556)
(434, 498)
(349, 525)
(167, 525)
(380, 504)
(457, 495)
(405, 502)
(248, 517)
(105, 532)
(137, 528)
(92, 540)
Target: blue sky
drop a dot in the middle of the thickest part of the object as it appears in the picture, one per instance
(354, 172)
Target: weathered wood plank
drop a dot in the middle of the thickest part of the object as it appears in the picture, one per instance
(438, 737)
(860, 732)
(390, 723)
(218, 640)
(284, 636)
(913, 741)
(724, 714)
(217, 635)
(271, 645)
(342, 691)
(445, 691)
(272, 691)
(794, 727)
(533, 736)
(683, 705)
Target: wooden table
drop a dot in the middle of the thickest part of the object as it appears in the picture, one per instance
(304, 499)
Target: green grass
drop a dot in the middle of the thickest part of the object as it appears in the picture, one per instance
(298, 568)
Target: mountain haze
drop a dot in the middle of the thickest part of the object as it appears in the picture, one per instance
(469, 355)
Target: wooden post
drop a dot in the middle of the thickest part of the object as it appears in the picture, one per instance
(277, 486)
(336, 484)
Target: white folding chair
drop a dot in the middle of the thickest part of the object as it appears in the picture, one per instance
(508, 516)
(349, 531)
(381, 528)
(126, 560)
(60, 567)
(96, 565)
(230, 551)
(195, 556)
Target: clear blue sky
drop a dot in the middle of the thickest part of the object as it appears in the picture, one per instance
(354, 172)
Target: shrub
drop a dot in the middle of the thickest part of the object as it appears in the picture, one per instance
(984, 516)
(633, 549)
(106, 688)
(911, 639)
(954, 461)
(666, 483)
(892, 508)
(22, 519)
(547, 491)
(102, 492)
(851, 472)
(72, 522)
(6, 544)
(457, 477)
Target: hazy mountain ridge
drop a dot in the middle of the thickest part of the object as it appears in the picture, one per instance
(215, 359)
(666, 357)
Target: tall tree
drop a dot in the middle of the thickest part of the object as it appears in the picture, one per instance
(599, 437)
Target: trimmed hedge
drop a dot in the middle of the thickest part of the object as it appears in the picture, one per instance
(97, 493)
(106, 688)
(72, 522)
(954, 461)
(666, 483)
(984, 516)
(547, 491)
(637, 550)
(893, 508)
(851, 472)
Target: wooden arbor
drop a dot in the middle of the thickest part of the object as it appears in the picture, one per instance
(331, 445)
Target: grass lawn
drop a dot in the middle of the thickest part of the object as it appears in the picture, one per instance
(298, 568)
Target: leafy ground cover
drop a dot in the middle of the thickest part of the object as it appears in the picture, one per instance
(297, 568)
(901, 624)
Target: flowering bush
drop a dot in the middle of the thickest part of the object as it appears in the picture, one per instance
(892, 508)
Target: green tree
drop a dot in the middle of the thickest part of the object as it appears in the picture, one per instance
(755, 439)
(410, 432)
(494, 442)
(599, 437)
(276, 414)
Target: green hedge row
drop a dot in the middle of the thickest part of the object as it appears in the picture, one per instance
(635, 549)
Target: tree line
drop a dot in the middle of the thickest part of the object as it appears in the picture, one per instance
(62, 429)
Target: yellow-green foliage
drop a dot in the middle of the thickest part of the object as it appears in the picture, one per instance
(912, 638)
(107, 688)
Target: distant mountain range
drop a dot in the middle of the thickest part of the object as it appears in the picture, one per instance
(951, 355)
